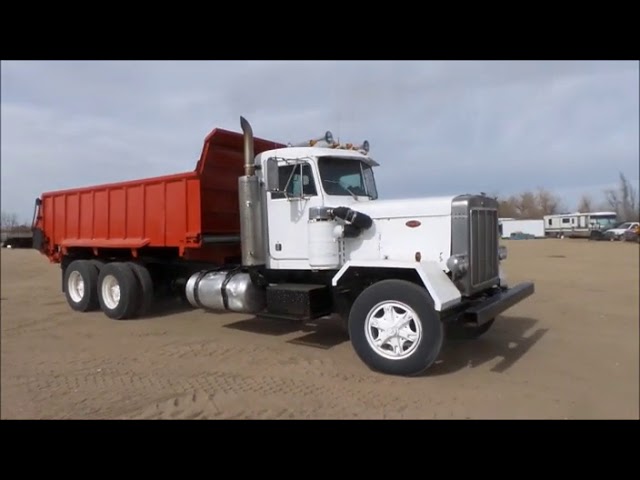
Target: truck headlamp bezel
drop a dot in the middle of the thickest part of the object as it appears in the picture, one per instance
(458, 264)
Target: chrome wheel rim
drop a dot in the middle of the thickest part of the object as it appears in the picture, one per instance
(393, 330)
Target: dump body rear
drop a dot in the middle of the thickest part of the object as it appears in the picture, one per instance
(194, 215)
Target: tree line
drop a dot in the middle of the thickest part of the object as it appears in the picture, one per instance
(622, 199)
(10, 224)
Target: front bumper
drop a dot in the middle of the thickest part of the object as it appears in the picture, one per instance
(491, 307)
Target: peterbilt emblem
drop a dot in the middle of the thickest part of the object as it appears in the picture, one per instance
(413, 223)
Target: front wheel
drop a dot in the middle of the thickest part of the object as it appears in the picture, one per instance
(394, 328)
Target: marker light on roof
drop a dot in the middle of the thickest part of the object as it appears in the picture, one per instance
(327, 138)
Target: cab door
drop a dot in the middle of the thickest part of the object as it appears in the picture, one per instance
(288, 214)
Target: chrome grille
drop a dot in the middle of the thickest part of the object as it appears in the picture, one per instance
(484, 246)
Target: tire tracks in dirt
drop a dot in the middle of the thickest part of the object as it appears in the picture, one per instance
(306, 387)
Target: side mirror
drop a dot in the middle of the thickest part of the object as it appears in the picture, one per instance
(271, 176)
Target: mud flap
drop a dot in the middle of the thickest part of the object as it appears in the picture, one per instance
(38, 239)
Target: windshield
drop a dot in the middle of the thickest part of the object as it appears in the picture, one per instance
(604, 221)
(347, 177)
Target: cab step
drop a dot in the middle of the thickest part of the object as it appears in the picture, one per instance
(298, 301)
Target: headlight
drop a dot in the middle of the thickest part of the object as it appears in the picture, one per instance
(502, 252)
(458, 264)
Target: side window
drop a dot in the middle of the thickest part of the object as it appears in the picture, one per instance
(549, 222)
(301, 183)
(565, 220)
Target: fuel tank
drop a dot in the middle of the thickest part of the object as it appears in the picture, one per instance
(225, 290)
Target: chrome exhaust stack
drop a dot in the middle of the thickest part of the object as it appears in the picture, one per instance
(249, 155)
(251, 217)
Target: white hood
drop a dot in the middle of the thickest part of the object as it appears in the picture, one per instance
(391, 238)
(413, 207)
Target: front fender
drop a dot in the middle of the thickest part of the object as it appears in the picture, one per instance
(442, 290)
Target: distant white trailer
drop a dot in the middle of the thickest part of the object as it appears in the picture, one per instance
(578, 224)
(509, 226)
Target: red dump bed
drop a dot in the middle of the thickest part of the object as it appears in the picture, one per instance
(173, 211)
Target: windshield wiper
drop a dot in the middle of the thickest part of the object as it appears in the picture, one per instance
(344, 188)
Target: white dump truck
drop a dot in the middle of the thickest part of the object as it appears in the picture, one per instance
(314, 240)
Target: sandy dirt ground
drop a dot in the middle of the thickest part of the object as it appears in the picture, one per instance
(569, 352)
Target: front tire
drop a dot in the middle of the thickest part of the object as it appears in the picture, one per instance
(395, 329)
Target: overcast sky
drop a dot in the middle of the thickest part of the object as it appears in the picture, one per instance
(435, 127)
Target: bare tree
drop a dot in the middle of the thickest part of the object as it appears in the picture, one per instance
(613, 200)
(9, 221)
(507, 207)
(527, 206)
(548, 203)
(585, 204)
(623, 200)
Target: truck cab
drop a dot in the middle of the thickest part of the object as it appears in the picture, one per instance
(322, 212)
(303, 182)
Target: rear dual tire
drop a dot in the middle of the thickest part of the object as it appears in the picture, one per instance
(80, 282)
(118, 291)
(125, 290)
(146, 292)
(122, 290)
